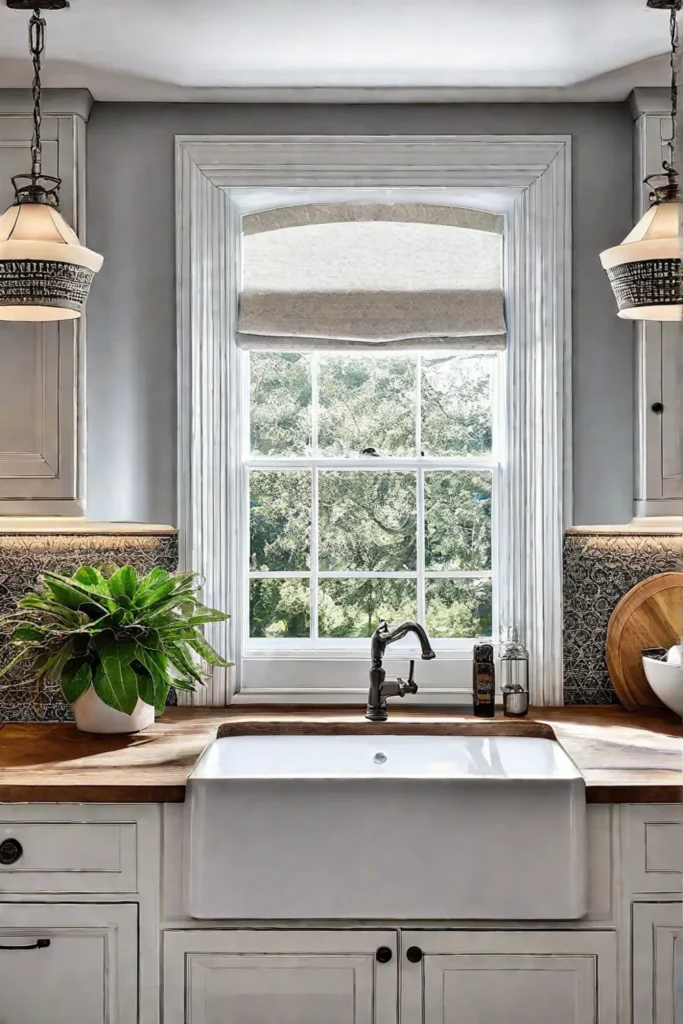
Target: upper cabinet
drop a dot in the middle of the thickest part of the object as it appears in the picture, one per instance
(41, 420)
(659, 347)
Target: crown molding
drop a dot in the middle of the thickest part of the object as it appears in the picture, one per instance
(73, 102)
(649, 101)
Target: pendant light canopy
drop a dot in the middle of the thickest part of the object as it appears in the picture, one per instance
(45, 273)
(645, 271)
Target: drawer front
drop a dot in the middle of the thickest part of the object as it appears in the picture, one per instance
(654, 848)
(68, 856)
(68, 964)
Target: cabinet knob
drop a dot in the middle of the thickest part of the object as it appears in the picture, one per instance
(657, 408)
(11, 851)
(383, 955)
(414, 954)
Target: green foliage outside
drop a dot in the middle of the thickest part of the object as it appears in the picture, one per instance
(129, 637)
(367, 521)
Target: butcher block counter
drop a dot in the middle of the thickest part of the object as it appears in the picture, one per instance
(625, 757)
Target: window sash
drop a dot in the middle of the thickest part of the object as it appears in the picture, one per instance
(356, 648)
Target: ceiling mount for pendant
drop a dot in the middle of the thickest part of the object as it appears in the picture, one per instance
(37, 5)
(45, 272)
(661, 5)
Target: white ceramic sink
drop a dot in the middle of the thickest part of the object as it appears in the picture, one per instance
(403, 827)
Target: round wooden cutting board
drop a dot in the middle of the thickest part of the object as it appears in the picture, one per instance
(650, 615)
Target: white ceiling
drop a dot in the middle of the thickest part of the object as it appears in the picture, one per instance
(281, 49)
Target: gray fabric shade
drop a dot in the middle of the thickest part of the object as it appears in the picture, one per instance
(406, 276)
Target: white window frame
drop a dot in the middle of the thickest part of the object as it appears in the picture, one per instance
(536, 472)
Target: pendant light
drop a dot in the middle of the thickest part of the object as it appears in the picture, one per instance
(45, 272)
(645, 270)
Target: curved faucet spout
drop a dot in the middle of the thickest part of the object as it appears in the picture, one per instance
(383, 636)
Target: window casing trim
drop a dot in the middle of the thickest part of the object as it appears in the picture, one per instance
(537, 485)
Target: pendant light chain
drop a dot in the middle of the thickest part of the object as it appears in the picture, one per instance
(36, 34)
(674, 64)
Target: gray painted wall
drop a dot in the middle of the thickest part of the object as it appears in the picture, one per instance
(131, 323)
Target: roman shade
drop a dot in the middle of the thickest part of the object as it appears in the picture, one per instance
(379, 275)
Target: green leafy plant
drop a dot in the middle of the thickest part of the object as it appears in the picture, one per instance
(129, 637)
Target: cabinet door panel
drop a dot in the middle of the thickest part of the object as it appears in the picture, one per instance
(659, 365)
(508, 977)
(510, 988)
(672, 417)
(261, 977)
(38, 362)
(282, 989)
(658, 963)
(87, 975)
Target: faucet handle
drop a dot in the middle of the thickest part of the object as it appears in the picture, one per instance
(410, 686)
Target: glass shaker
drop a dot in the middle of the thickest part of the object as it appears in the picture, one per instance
(514, 675)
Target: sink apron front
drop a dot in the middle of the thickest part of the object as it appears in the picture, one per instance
(390, 827)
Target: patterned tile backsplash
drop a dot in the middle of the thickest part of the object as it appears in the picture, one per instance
(22, 559)
(599, 568)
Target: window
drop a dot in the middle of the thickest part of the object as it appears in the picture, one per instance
(370, 485)
(528, 179)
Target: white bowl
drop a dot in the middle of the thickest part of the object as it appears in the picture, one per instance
(666, 680)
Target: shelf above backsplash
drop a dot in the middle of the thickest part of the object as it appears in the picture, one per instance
(651, 527)
(68, 526)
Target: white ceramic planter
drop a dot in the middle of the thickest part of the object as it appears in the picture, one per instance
(93, 715)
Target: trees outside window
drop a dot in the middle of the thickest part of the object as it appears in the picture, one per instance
(371, 483)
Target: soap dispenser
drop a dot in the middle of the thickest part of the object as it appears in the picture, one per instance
(514, 675)
(483, 681)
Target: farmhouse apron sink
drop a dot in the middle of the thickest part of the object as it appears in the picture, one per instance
(401, 821)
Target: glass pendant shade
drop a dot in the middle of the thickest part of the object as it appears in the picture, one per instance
(645, 270)
(45, 272)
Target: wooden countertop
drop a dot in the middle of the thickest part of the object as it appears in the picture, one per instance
(625, 757)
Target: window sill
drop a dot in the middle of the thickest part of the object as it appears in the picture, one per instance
(332, 677)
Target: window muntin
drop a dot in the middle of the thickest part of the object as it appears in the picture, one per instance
(421, 511)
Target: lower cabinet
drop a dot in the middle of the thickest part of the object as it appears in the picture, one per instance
(68, 963)
(657, 963)
(280, 977)
(352, 977)
(508, 977)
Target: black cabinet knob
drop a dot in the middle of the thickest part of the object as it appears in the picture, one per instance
(658, 408)
(414, 954)
(11, 851)
(383, 955)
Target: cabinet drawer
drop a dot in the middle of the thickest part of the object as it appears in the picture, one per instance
(68, 963)
(654, 848)
(69, 856)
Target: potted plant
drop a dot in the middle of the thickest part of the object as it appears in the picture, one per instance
(114, 643)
